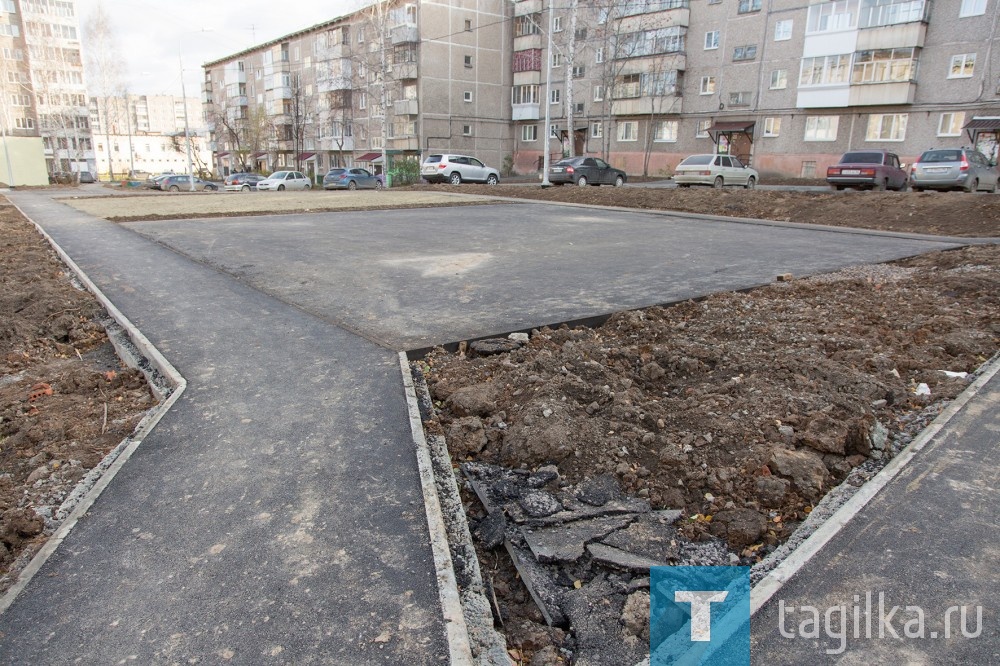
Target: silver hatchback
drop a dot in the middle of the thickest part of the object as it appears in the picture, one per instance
(953, 169)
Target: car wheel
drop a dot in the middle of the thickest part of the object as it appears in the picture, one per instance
(582, 181)
(245, 188)
(902, 188)
(719, 183)
(309, 186)
(619, 181)
(492, 179)
(352, 185)
(455, 178)
(683, 184)
(379, 185)
(751, 183)
(993, 190)
(918, 189)
(839, 188)
(882, 185)
(281, 188)
(174, 188)
(973, 186)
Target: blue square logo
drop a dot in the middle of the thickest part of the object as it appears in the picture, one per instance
(699, 616)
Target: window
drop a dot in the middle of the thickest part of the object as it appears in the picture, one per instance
(579, 71)
(772, 126)
(886, 127)
(599, 55)
(707, 85)
(468, 25)
(740, 98)
(711, 40)
(578, 108)
(598, 93)
(883, 66)
(747, 6)
(821, 128)
(553, 132)
(7, 6)
(24, 123)
(628, 87)
(651, 42)
(779, 79)
(527, 94)
(950, 124)
(824, 70)
(580, 34)
(832, 16)
(527, 25)
(363, 100)
(782, 30)
(962, 66)
(628, 130)
(665, 130)
(702, 131)
(555, 96)
(557, 59)
(468, 61)
(876, 13)
(596, 130)
(9, 30)
(972, 8)
(529, 132)
(557, 24)
(466, 130)
(748, 52)
(467, 95)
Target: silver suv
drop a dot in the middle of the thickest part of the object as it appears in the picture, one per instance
(456, 169)
(953, 168)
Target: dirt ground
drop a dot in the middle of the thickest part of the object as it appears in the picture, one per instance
(65, 400)
(742, 410)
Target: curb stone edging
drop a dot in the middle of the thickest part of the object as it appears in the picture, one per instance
(112, 463)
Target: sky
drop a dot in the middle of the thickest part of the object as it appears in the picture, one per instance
(156, 37)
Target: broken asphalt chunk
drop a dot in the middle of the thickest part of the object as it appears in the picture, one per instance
(566, 543)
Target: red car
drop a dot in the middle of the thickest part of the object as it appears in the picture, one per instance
(242, 182)
(868, 170)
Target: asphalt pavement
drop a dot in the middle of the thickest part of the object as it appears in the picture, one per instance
(275, 514)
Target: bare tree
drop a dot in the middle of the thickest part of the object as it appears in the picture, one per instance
(104, 66)
(661, 85)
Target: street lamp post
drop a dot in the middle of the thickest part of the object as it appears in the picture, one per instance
(548, 91)
(187, 129)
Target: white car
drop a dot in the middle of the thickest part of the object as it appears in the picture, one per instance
(285, 180)
(715, 170)
(457, 169)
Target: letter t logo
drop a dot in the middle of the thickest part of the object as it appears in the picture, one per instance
(701, 611)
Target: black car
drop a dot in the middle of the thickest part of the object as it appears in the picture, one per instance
(87, 177)
(586, 171)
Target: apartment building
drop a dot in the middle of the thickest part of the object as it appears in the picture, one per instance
(389, 82)
(146, 133)
(786, 85)
(43, 84)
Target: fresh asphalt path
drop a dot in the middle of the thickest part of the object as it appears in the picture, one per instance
(926, 541)
(274, 515)
(414, 278)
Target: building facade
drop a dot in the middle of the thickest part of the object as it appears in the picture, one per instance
(389, 82)
(146, 133)
(44, 91)
(787, 86)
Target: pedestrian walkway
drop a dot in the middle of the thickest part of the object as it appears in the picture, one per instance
(274, 515)
(927, 542)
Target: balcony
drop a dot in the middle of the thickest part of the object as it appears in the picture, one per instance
(281, 92)
(239, 100)
(525, 112)
(527, 7)
(344, 143)
(404, 34)
(232, 76)
(892, 36)
(404, 143)
(405, 107)
(405, 70)
(528, 42)
(647, 105)
(878, 94)
(334, 83)
(206, 86)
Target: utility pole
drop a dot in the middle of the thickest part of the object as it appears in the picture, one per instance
(548, 91)
(6, 151)
(128, 124)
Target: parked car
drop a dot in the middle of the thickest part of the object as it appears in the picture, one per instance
(715, 170)
(242, 182)
(87, 177)
(585, 171)
(456, 169)
(178, 183)
(352, 179)
(952, 169)
(868, 170)
(60, 178)
(153, 182)
(285, 180)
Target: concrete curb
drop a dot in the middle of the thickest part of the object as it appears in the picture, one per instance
(460, 651)
(119, 455)
(776, 579)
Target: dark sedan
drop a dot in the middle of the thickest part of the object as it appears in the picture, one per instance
(585, 171)
(351, 179)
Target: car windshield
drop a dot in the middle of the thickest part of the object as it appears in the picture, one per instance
(432, 159)
(942, 156)
(698, 160)
(861, 158)
(571, 162)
